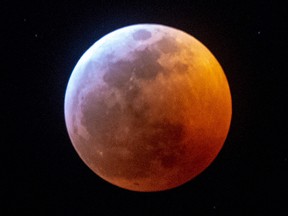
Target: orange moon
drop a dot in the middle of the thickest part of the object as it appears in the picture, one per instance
(148, 107)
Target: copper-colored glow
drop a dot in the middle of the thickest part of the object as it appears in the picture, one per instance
(148, 107)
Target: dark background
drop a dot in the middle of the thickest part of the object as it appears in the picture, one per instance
(42, 42)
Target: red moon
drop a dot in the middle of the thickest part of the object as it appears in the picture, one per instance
(148, 107)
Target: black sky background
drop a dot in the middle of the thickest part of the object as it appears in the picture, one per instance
(42, 42)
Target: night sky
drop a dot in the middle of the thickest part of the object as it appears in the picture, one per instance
(41, 42)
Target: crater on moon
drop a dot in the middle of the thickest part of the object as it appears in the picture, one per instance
(142, 34)
(167, 45)
(149, 114)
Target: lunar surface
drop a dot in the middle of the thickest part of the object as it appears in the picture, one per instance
(148, 107)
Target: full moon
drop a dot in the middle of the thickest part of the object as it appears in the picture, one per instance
(148, 107)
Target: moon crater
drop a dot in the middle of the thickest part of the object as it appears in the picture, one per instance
(142, 34)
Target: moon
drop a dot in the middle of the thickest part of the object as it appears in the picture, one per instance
(148, 107)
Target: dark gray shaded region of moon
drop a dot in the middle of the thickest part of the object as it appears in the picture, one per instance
(142, 34)
(144, 67)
